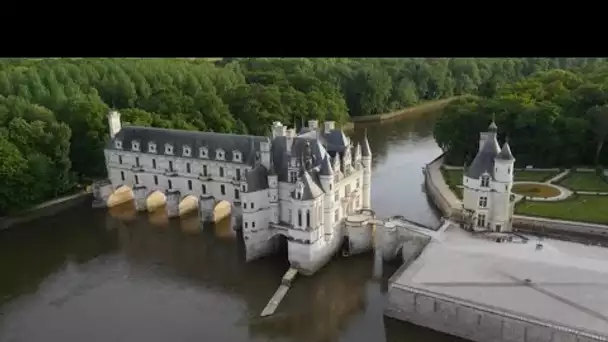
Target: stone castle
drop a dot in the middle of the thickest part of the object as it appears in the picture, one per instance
(297, 185)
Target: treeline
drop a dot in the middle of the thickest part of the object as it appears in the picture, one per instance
(555, 118)
(53, 112)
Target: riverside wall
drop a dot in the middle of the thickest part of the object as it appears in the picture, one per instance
(477, 323)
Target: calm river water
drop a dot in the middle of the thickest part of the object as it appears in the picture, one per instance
(92, 275)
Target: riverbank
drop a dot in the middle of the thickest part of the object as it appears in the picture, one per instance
(47, 208)
(410, 111)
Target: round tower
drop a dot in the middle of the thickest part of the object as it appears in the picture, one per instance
(366, 160)
(326, 176)
(503, 164)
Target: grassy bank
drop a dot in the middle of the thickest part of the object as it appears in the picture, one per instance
(591, 209)
(585, 181)
(410, 111)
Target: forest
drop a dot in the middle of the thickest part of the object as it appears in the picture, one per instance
(53, 111)
(553, 118)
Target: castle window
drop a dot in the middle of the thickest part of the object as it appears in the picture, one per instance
(203, 152)
(236, 194)
(135, 145)
(188, 167)
(238, 174)
(483, 202)
(119, 159)
(189, 184)
(170, 165)
(168, 149)
(118, 144)
(221, 171)
(245, 224)
(223, 189)
(485, 181)
(155, 180)
(170, 184)
(122, 175)
(244, 188)
(481, 220)
(307, 218)
(136, 179)
(244, 205)
(219, 154)
(253, 224)
(186, 151)
(329, 186)
(137, 161)
(299, 218)
(152, 147)
(204, 170)
(298, 195)
(252, 205)
(237, 155)
(203, 188)
(153, 163)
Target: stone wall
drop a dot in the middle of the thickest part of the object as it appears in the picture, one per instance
(537, 224)
(478, 324)
(439, 192)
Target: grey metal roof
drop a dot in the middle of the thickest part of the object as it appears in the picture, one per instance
(484, 161)
(505, 153)
(248, 145)
(299, 150)
(326, 169)
(311, 188)
(257, 178)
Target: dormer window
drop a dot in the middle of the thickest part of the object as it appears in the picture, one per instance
(220, 154)
(237, 156)
(135, 145)
(203, 152)
(168, 149)
(152, 147)
(485, 181)
(186, 151)
(118, 144)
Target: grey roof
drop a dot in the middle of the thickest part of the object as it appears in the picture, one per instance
(365, 150)
(311, 188)
(248, 145)
(326, 169)
(505, 153)
(484, 161)
(299, 150)
(257, 178)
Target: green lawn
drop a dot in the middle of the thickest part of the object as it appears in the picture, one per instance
(586, 208)
(534, 176)
(585, 181)
(453, 179)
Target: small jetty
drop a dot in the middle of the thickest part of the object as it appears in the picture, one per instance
(278, 296)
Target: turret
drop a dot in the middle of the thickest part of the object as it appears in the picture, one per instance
(504, 163)
(366, 159)
(326, 174)
(114, 123)
(347, 159)
(489, 134)
(357, 153)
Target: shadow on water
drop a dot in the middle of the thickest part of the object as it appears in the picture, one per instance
(118, 275)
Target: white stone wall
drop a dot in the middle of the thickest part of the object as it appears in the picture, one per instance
(180, 177)
(472, 323)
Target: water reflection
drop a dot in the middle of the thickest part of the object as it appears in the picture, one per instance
(118, 275)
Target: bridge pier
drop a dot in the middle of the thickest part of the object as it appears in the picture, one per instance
(172, 206)
(140, 194)
(206, 204)
(102, 190)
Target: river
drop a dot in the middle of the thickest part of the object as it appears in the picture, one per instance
(93, 275)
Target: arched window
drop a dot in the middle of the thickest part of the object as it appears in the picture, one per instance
(307, 218)
(300, 218)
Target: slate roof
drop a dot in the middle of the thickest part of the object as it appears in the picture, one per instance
(257, 178)
(484, 161)
(311, 188)
(365, 150)
(326, 169)
(505, 153)
(248, 145)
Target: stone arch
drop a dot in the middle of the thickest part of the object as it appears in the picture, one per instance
(122, 194)
(155, 200)
(345, 246)
(221, 210)
(280, 243)
(187, 204)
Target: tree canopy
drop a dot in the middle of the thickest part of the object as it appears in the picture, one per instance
(554, 118)
(53, 111)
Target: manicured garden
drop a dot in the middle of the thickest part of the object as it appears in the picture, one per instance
(585, 208)
(585, 181)
(535, 190)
